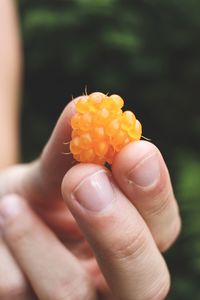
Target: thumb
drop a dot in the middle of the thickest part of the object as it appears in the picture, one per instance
(122, 243)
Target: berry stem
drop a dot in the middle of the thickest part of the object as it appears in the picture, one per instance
(145, 138)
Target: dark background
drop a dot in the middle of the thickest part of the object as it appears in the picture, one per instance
(149, 53)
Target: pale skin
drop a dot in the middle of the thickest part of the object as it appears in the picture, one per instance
(10, 78)
(104, 241)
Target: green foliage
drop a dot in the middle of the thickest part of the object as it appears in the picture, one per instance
(184, 258)
(148, 52)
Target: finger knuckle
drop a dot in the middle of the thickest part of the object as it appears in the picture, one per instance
(131, 247)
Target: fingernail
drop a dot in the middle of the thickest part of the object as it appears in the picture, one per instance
(147, 172)
(10, 206)
(95, 192)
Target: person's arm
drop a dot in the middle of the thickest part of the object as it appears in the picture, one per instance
(10, 79)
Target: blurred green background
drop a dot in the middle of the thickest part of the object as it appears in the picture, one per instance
(149, 53)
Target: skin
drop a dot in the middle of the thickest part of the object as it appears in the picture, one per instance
(10, 78)
(112, 251)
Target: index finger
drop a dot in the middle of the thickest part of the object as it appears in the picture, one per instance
(42, 178)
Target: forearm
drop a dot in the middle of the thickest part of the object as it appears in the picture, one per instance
(10, 81)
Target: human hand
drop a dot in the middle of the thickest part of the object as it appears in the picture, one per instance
(126, 237)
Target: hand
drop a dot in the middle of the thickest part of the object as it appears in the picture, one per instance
(127, 216)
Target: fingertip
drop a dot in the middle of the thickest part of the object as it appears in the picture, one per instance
(76, 175)
(141, 165)
(11, 205)
(135, 152)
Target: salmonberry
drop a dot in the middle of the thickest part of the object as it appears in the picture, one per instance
(100, 129)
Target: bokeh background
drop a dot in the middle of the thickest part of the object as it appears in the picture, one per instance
(148, 51)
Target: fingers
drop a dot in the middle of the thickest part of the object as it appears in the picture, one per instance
(141, 173)
(122, 243)
(54, 273)
(13, 284)
(42, 178)
(53, 163)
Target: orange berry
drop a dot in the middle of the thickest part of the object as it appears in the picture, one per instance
(100, 129)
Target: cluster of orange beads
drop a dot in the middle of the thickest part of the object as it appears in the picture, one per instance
(101, 129)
